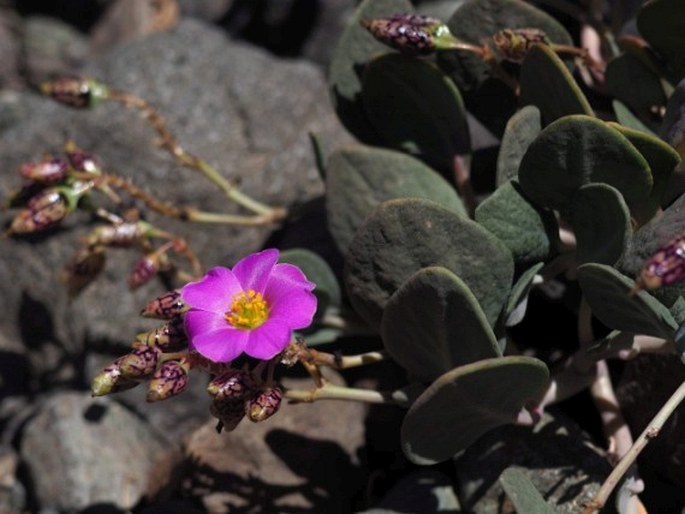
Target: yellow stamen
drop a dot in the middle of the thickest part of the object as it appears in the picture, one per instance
(248, 310)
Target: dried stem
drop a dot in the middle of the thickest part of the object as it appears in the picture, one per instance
(345, 362)
(650, 432)
(169, 142)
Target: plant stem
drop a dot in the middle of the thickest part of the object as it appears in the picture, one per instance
(652, 431)
(169, 142)
(334, 392)
(345, 362)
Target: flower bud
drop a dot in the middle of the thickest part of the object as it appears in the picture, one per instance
(123, 234)
(170, 379)
(110, 380)
(170, 337)
(145, 269)
(47, 171)
(232, 383)
(81, 160)
(83, 268)
(666, 266)
(140, 363)
(265, 404)
(43, 210)
(76, 92)
(411, 34)
(165, 306)
(514, 44)
(229, 412)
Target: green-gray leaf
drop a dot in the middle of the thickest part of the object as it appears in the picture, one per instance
(577, 150)
(466, 402)
(527, 230)
(662, 24)
(607, 292)
(361, 177)
(516, 304)
(403, 236)
(547, 84)
(522, 493)
(416, 109)
(433, 323)
(522, 128)
(601, 222)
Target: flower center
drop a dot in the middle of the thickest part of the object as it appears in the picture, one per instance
(248, 310)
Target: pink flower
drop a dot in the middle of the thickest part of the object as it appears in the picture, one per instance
(253, 308)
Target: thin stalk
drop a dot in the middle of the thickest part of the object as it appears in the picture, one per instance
(650, 432)
(334, 392)
(345, 362)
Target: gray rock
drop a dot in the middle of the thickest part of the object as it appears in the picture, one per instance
(556, 456)
(81, 451)
(332, 19)
(51, 47)
(10, 46)
(303, 459)
(243, 111)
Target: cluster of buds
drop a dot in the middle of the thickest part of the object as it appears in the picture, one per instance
(161, 358)
(51, 191)
(412, 34)
(237, 393)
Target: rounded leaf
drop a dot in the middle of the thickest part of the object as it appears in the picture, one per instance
(662, 24)
(434, 323)
(466, 402)
(361, 177)
(601, 222)
(577, 150)
(403, 236)
(355, 48)
(522, 128)
(415, 108)
(607, 292)
(547, 84)
(527, 230)
(517, 303)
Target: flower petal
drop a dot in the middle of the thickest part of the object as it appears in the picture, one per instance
(289, 296)
(214, 292)
(254, 270)
(268, 340)
(211, 336)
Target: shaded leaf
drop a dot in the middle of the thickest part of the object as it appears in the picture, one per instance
(577, 150)
(601, 222)
(433, 323)
(515, 309)
(662, 24)
(547, 84)
(416, 109)
(403, 236)
(673, 125)
(607, 292)
(522, 128)
(361, 177)
(468, 401)
(522, 493)
(626, 118)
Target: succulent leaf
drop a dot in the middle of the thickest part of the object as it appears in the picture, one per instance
(416, 109)
(402, 236)
(522, 128)
(434, 323)
(515, 308)
(601, 222)
(547, 84)
(625, 117)
(468, 401)
(662, 24)
(361, 177)
(608, 293)
(522, 493)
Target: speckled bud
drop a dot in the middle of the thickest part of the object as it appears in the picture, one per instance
(76, 92)
(122, 234)
(144, 270)
(43, 210)
(666, 266)
(47, 171)
(83, 268)
(170, 379)
(233, 383)
(140, 363)
(170, 337)
(110, 380)
(229, 412)
(412, 34)
(81, 160)
(514, 44)
(165, 306)
(265, 404)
